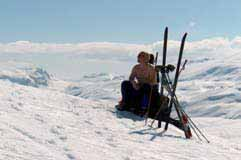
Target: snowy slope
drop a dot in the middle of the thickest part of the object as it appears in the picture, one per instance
(45, 124)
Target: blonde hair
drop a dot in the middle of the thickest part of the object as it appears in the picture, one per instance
(145, 55)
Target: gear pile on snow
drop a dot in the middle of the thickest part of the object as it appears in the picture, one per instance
(161, 106)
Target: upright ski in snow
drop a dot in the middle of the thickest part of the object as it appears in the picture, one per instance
(164, 57)
(181, 116)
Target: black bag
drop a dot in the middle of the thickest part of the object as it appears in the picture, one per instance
(159, 104)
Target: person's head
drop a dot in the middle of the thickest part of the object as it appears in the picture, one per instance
(151, 60)
(143, 57)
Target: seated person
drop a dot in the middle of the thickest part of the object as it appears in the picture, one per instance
(136, 91)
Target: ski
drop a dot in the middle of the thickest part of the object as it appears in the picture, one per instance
(181, 116)
(164, 56)
(183, 122)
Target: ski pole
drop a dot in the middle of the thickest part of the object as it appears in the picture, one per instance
(178, 107)
(196, 127)
(193, 128)
(150, 96)
(177, 103)
(191, 125)
(183, 67)
(149, 104)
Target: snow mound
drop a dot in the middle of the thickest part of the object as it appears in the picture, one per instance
(97, 86)
(218, 72)
(95, 77)
(26, 75)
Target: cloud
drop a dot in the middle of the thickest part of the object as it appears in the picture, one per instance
(94, 47)
(123, 51)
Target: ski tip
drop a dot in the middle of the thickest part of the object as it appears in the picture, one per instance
(166, 29)
(166, 35)
(184, 36)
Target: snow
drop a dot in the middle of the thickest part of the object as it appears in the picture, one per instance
(37, 123)
(43, 117)
(24, 74)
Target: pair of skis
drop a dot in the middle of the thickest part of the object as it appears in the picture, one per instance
(164, 80)
(172, 89)
(185, 121)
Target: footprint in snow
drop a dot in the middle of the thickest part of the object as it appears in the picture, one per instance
(38, 118)
(15, 107)
(70, 156)
(57, 130)
(98, 132)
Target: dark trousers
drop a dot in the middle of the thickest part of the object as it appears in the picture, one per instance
(136, 98)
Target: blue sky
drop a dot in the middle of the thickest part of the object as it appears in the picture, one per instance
(127, 21)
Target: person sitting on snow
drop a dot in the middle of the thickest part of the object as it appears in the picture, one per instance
(136, 91)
